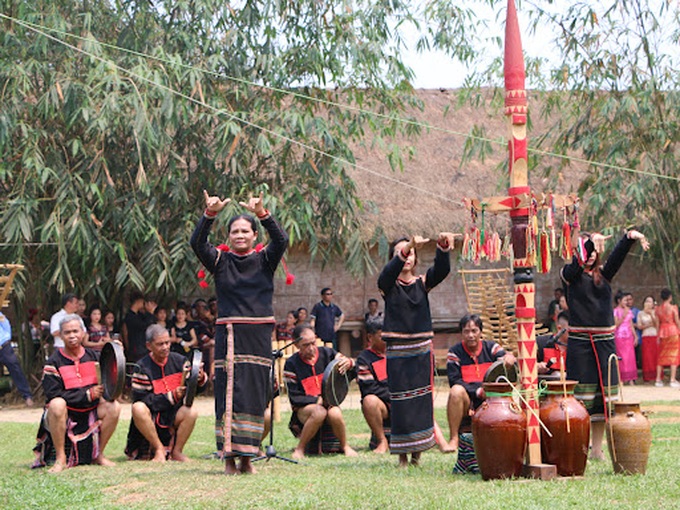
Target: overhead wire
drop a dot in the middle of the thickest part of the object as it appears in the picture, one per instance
(235, 118)
(42, 29)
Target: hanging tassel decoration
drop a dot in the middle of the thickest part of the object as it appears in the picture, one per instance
(482, 233)
(465, 251)
(506, 246)
(565, 244)
(495, 248)
(545, 256)
(290, 277)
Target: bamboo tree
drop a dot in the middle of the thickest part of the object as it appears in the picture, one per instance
(103, 163)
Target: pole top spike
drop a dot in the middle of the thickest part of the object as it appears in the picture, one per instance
(514, 59)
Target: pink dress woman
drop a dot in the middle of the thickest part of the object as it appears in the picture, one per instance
(624, 336)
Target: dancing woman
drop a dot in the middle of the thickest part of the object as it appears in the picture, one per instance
(408, 334)
(244, 282)
(591, 323)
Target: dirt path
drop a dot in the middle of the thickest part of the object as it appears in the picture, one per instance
(640, 393)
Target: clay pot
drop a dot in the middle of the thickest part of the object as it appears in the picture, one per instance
(569, 423)
(499, 431)
(629, 436)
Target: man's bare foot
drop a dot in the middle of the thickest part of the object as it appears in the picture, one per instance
(58, 467)
(298, 454)
(382, 447)
(403, 460)
(247, 468)
(29, 402)
(159, 455)
(349, 452)
(230, 467)
(179, 457)
(103, 461)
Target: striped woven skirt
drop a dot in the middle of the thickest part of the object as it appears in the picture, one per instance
(410, 380)
(242, 363)
(588, 353)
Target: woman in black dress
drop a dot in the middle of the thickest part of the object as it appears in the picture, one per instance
(244, 282)
(591, 323)
(408, 334)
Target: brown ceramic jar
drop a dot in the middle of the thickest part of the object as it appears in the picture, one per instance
(569, 423)
(499, 431)
(629, 436)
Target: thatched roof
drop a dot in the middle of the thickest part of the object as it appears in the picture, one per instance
(436, 168)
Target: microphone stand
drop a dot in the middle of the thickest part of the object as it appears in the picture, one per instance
(270, 451)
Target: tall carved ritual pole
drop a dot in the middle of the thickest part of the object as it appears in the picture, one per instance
(516, 113)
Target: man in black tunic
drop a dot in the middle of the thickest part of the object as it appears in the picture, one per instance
(303, 374)
(161, 423)
(375, 393)
(466, 365)
(77, 423)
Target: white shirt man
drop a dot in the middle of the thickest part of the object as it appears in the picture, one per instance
(69, 305)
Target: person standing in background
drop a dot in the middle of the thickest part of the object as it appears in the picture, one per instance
(69, 305)
(327, 318)
(669, 339)
(648, 324)
(625, 338)
(10, 360)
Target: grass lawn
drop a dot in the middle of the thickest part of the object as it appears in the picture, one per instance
(369, 481)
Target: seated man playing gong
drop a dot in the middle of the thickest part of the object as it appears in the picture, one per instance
(319, 426)
(161, 423)
(375, 394)
(77, 423)
(466, 365)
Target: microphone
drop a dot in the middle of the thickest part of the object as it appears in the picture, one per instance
(554, 339)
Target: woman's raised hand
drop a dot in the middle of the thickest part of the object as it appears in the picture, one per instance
(446, 239)
(214, 204)
(598, 241)
(634, 234)
(255, 205)
(418, 242)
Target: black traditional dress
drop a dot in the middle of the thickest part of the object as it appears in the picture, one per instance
(467, 369)
(591, 327)
(154, 385)
(71, 378)
(407, 330)
(304, 382)
(245, 287)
